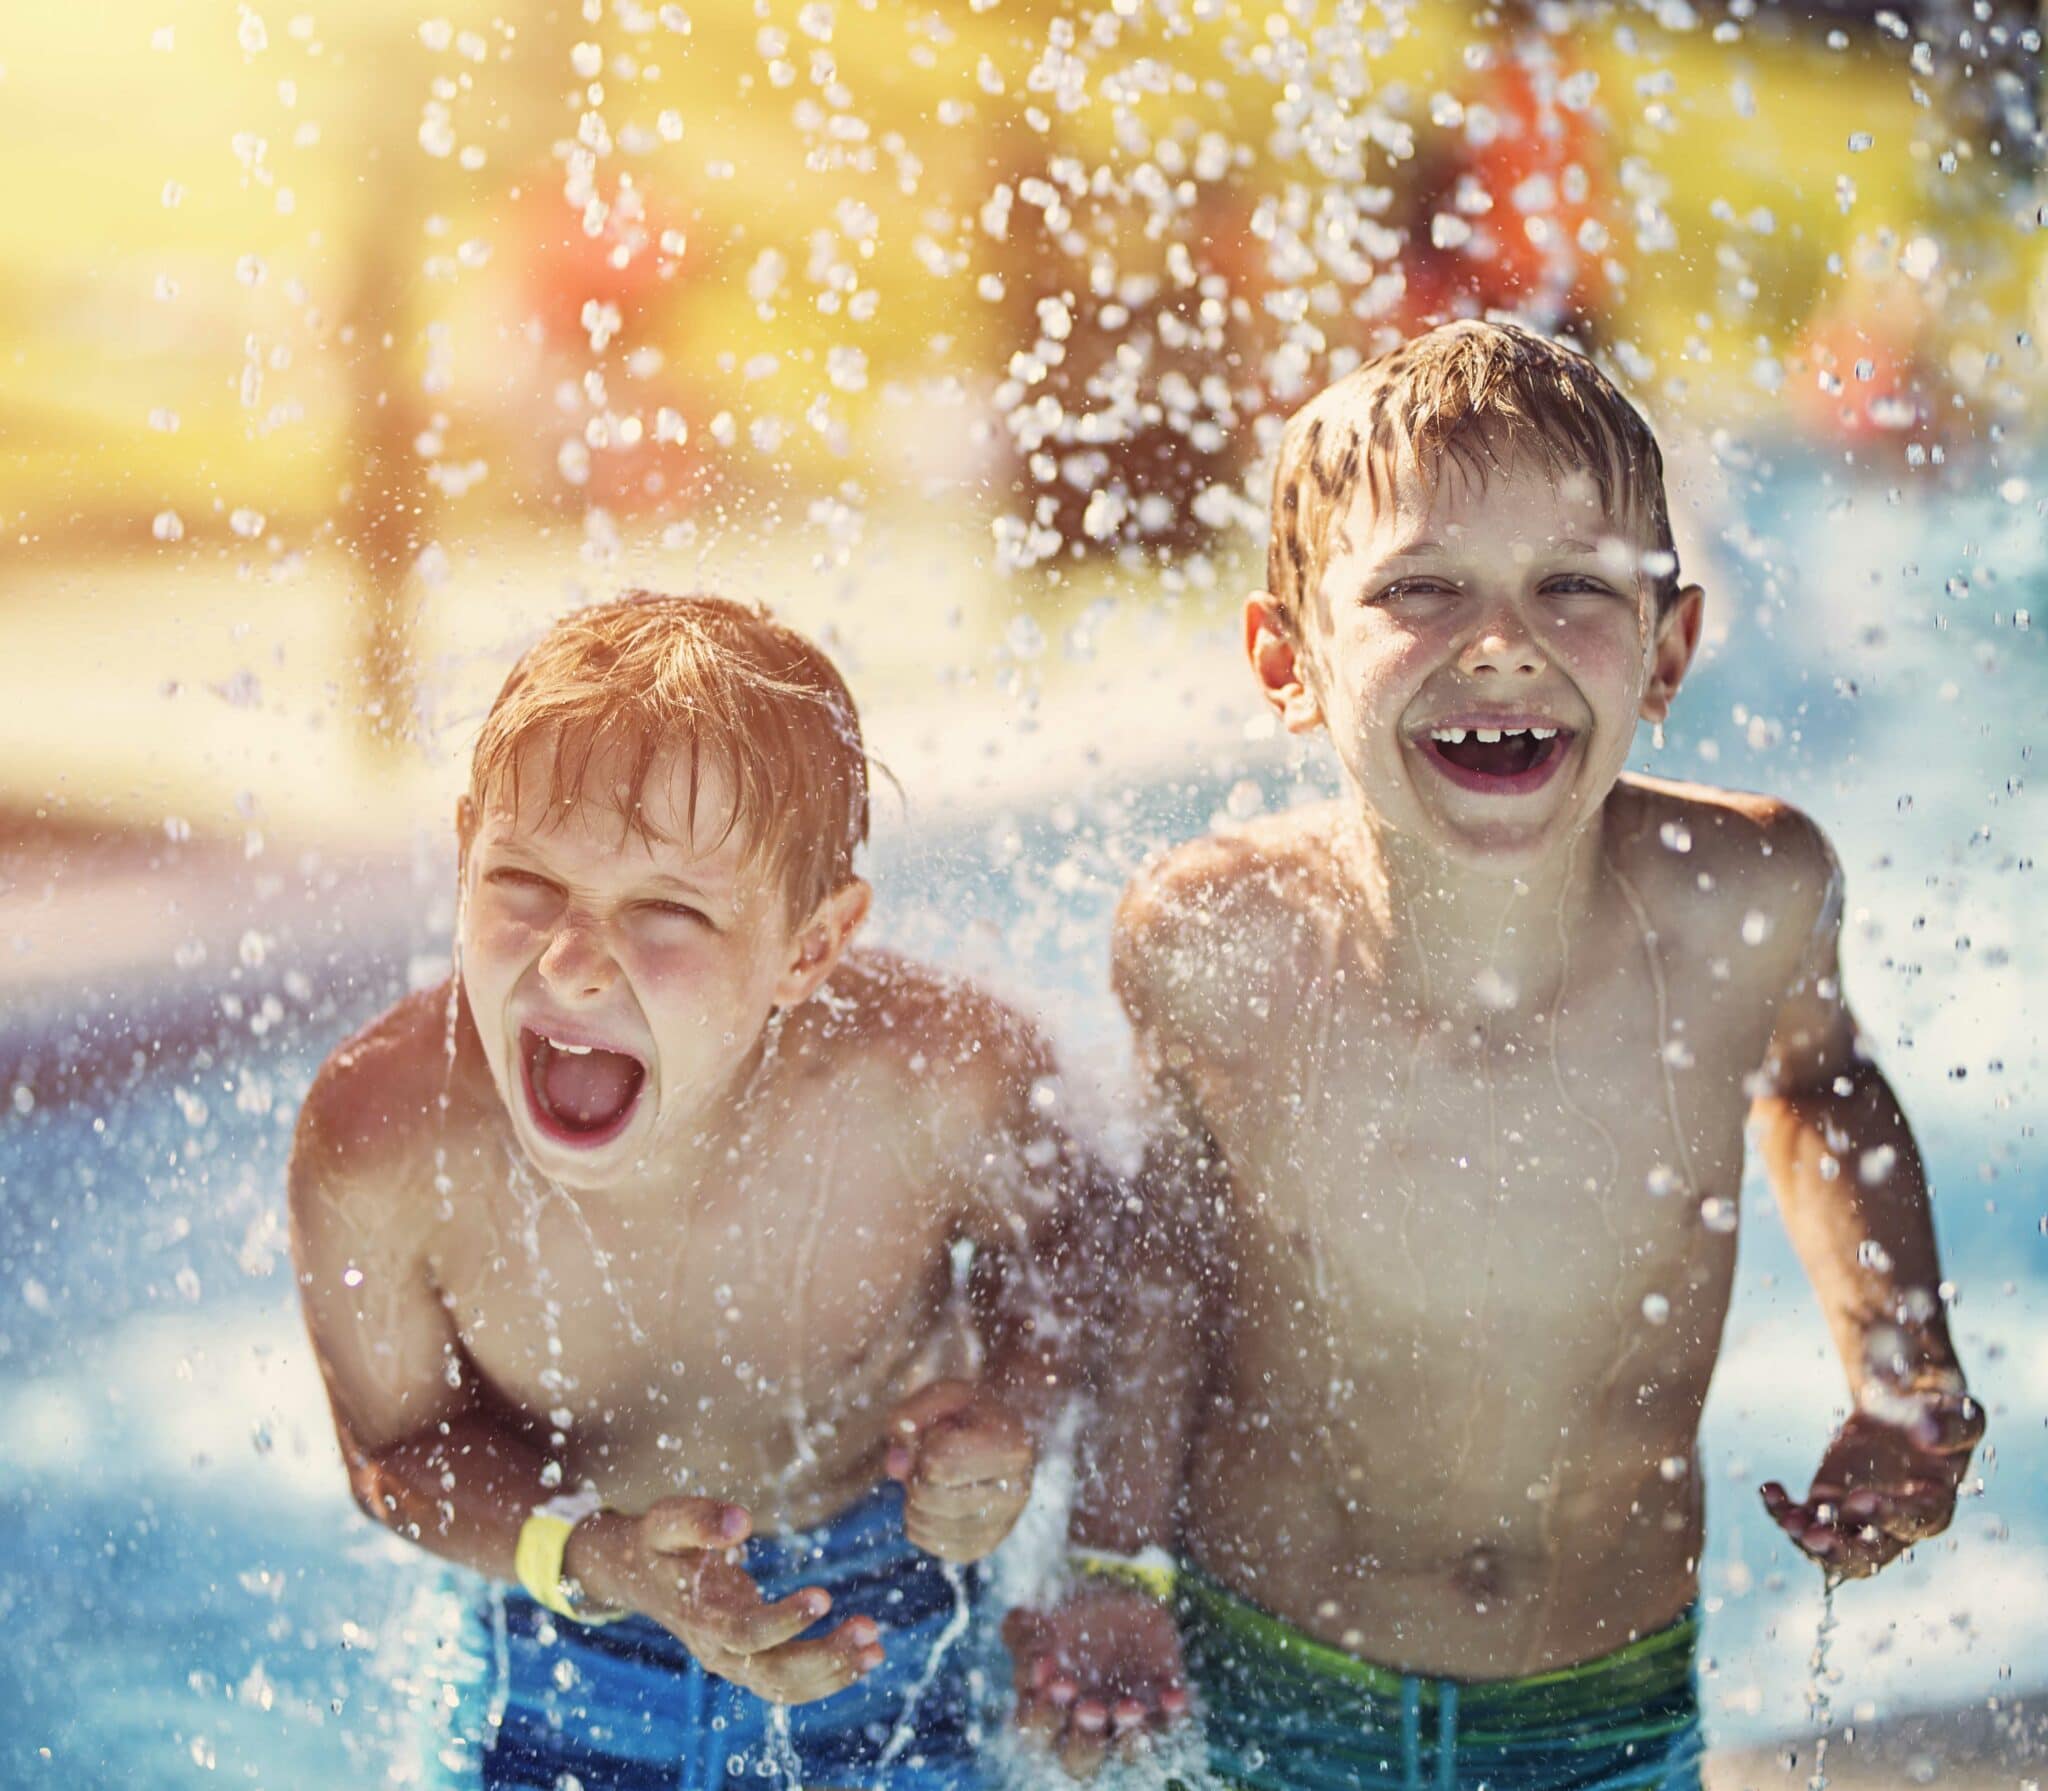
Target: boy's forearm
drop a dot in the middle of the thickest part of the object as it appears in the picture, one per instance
(463, 1490)
(1849, 1179)
(1130, 1459)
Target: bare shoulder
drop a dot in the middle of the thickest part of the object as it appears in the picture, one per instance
(932, 1039)
(1203, 929)
(368, 1121)
(1728, 860)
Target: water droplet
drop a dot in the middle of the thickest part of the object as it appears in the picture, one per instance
(1656, 1308)
(167, 525)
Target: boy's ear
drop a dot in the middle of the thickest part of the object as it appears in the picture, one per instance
(822, 941)
(1276, 660)
(1678, 639)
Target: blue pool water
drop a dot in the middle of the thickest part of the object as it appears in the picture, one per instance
(190, 1597)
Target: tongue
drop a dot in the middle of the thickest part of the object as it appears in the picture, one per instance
(589, 1089)
(1500, 758)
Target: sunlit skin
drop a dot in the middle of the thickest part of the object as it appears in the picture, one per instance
(1468, 1075)
(732, 1312)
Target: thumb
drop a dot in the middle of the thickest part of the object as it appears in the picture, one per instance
(911, 1420)
(929, 1406)
(671, 1525)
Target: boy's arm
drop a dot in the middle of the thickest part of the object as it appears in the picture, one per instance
(433, 1456)
(1152, 1362)
(425, 1453)
(1103, 1667)
(966, 1451)
(1849, 1180)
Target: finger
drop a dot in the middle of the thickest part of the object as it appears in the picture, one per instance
(958, 1543)
(897, 1461)
(1857, 1556)
(1086, 1741)
(1174, 1703)
(971, 1453)
(1038, 1722)
(802, 1672)
(927, 1406)
(967, 1501)
(670, 1525)
(1777, 1501)
(1024, 1633)
(750, 1629)
(1820, 1540)
(960, 1535)
(1789, 1514)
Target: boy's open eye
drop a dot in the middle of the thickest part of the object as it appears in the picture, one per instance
(1417, 586)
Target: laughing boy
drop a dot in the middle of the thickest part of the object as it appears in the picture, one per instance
(1455, 1073)
(644, 1255)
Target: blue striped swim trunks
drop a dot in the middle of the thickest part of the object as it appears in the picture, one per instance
(623, 1707)
(1284, 1712)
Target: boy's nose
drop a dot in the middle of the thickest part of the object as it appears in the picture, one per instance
(576, 961)
(1502, 646)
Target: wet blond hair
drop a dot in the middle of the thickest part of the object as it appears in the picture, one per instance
(1475, 393)
(653, 681)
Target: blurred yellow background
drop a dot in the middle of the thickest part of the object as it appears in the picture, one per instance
(345, 346)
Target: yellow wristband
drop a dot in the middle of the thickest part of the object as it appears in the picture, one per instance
(1151, 1571)
(543, 1541)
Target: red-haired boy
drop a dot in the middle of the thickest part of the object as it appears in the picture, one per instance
(640, 1254)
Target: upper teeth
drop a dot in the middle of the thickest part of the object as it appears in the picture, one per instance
(572, 1050)
(1489, 736)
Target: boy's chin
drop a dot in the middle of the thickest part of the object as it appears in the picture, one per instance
(1499, 845)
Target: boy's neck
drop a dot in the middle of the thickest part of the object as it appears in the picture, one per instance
(1459, 943)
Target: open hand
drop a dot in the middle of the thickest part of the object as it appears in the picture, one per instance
(965, 1462)
(1098, 1674)
(677, 1563)
(1882, 1486)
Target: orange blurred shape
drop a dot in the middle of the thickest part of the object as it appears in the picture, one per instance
(565, 268)
(1542, 167)
(1859, 371)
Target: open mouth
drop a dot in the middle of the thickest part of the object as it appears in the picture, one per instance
(1497, 761)
(579, 1095)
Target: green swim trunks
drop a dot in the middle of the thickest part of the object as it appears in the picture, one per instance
(1287, 1713)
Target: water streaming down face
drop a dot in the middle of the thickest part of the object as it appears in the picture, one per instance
(1268, 191)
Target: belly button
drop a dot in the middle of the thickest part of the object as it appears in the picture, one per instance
(1478, 1575)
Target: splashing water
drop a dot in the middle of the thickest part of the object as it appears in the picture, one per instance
(782, 1748)
(905, 1731)
(1819, 1705)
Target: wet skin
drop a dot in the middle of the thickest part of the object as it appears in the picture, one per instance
(1454, 1084)
(734, 1312)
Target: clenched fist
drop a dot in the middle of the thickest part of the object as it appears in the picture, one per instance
(965, 1463)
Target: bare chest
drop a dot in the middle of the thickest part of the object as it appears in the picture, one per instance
(741, 1327)
(1566, 1169)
